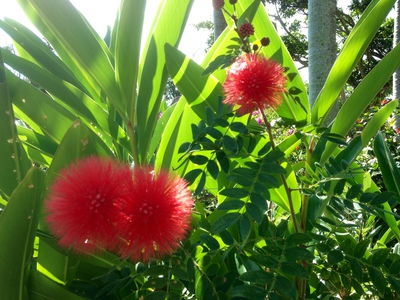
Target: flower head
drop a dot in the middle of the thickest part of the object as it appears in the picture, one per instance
(254, 82)
(157, 217)
(84, 203)
(246, 29)
(218, 4)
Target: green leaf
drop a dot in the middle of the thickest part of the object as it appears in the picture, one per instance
(378, 280)
(237, 193)
(285, 286)
(387, 164)
(191, 176)
(298, 239)
(293, 269)
(38, 110)
(211, 242)
(167, 29)
(224, 222)
(74, 99)
(244, 228)
(230, 143)
(33, 48)
(273, 156)
(239, 127)
(360, 248)
(213, 169)
(79, 141)
(40, 287)
(127, 39)
(223, 161)
(248, 292)
(257, 277)
(352, 51)
(382, 198)
(199, 159)
(265, 260)
(394, 283)
(354, 191)
(79, 40)
(356, 269)
(231, 204)
(200, 91)
(18, 223)
(335, 256)
(298, 253)
(259, 201)
(201, 184)
(379, 256)
(254, 212)
(13, 160)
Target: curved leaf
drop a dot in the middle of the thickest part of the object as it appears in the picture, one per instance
(18, 224)
(351, 53)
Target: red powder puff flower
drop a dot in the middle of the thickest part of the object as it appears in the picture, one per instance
(253, 83)
(158, 215)
(84, 204)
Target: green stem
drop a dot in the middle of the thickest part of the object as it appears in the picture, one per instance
(283, 177)
(132, 139)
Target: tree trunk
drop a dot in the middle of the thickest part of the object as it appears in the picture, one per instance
(396, 75)
(219, 23)
(321, 44)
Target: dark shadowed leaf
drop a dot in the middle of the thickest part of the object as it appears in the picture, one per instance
(212, 168)
(298, 253)
(294, 269)
(235, 192)
(231, 204)
(211, 242)
(360, 248)
(254, 212)
(191, 176)
(379, 256)
(335, 256)
(257, 276)
(248, 292)
(224, 222)
(377, 279)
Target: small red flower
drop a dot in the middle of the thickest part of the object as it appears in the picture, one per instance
(157, 217)
(254, 82)
(246, 29)
(218, 4)
(84, 204)
(384, 101)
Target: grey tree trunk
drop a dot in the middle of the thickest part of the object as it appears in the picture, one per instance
(396, 75)
(321, 44)
(219, 23)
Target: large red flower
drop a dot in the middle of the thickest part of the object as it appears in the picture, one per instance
(158, 215)
(254, 82)
(84, 204)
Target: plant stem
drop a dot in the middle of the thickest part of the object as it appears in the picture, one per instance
(132, 138)
(283, 177)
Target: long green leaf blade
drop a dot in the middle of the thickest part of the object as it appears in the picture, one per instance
(362, 97)
(18, 224)
(129, 26)
(167, 27)
(387, 164)
(79, 40)
(13, 160)
(351, 53)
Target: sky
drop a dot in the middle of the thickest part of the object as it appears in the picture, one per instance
(192, 43)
